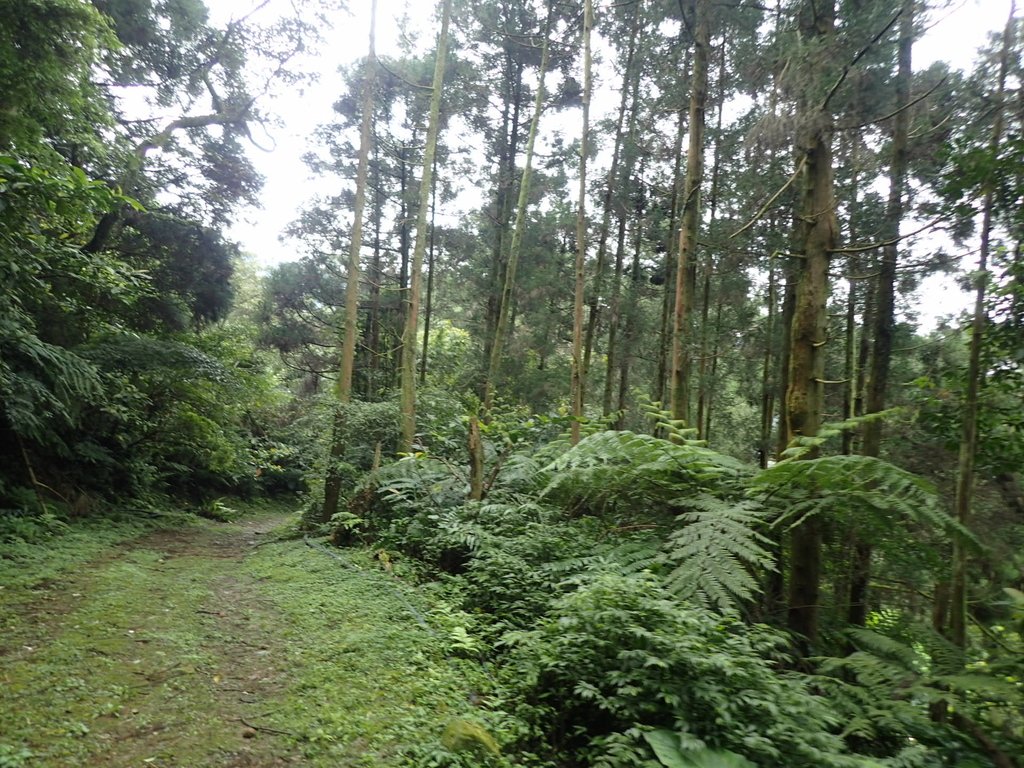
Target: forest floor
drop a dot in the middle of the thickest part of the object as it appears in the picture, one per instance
(215, 644)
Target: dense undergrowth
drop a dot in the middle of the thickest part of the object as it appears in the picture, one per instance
(616, 590)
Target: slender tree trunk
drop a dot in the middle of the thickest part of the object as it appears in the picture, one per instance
(885, 301)
(815, 241)
(615, 320)
(428, 309)
(511, 108)
(691, 209)
(576, 385)
(633, 307)
(332, 482)
(706, 428)
(507, 293)
(671, 254)
(408, 377)
(612, 187)
(476, 460)
(850, 359)
(767, 396)
(969, 433)
(376, 278)
(704, 389)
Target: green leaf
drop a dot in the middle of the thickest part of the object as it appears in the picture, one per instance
(665, 744)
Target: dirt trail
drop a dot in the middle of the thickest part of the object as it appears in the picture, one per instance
(161, 654)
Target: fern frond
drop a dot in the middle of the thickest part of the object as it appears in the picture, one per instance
(859, 485)
(716, 550)
(800, 446)
(626, 468)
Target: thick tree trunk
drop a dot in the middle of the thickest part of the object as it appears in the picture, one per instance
(691, 210)
(576, 384)
(332, 482)
(814, 242)
(408, 377)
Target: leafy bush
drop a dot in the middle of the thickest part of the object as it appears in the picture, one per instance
(619, 652)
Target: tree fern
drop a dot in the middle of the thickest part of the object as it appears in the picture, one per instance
(872, 491)
(884, 689)
(40, 381)
(714, 547)
(622, 469)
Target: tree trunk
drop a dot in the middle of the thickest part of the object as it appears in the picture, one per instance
(814, 243)
(505, 303)
(706, 427)
(767, 396)
(476, 460)
(429, 308)
(511, 108)
(376, 278)
(615, 320)
(332, 482)
(885, 300)
(611, 188)
(671, 254)
(576, 384)
(691, 209)
(969, 433)
(408, 396)
(704, 389)
(632, 310)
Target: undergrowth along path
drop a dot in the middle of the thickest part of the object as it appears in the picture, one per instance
(215, 645)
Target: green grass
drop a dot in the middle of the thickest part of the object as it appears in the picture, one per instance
(371, 686)
(128, 657)
(193, 649)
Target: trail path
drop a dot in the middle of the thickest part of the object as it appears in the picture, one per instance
(200, 648)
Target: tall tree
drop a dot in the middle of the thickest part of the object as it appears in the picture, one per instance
(576, 384)
(332, 484)
(814, 240)
(701, 25)
(512, 264)
(969, 431)
(885, 295)
(408, 373)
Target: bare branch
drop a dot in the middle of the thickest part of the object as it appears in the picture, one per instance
(858, 57)
(772, 199)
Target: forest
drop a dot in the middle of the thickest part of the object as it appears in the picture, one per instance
(603, 373)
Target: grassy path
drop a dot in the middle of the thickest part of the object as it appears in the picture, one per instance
(214, 646)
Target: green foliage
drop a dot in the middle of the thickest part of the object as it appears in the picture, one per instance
(871, 494)
(48, 52)
(614, 471)
(713, 549)
(886, 689)
(667, 749)
(45, 208)
(618, 651)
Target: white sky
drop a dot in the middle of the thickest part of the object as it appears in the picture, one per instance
(954, 36)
